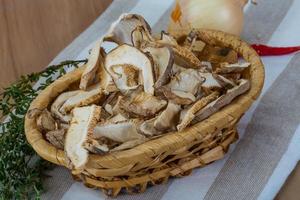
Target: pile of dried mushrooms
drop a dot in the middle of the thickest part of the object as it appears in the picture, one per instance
(143, 88)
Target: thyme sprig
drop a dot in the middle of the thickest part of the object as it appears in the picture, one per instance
(21, 169)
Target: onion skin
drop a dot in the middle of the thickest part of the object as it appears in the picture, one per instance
(223, 15)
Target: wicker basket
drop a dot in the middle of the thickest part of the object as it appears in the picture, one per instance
(173, 154)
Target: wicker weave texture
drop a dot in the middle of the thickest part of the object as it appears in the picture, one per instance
(173, 154)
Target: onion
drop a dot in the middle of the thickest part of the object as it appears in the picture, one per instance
(224, 15)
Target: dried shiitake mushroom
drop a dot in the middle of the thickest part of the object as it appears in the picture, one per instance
(92, 95)
(120, 31)
(126, 54)
(84, 120)
(163, 61)
(142, 104)
(56, 138)
(46, 122)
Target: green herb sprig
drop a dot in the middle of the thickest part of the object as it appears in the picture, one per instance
(21, 169)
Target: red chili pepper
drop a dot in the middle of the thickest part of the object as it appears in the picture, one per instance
(264, 50)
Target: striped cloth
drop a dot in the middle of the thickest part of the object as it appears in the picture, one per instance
(258, 164)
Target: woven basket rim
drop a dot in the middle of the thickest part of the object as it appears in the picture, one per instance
(229, 114)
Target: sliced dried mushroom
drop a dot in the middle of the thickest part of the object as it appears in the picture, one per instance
(142, 104)
(183, 56)
(177, 69)
(92, 95)
(183, 86)
(210, 82)
(104, 114)
(187, 80)
(126, 77)
(234, 77)
(46, 122)
(177, 96)
(59, 101)
(84, 120)
(168, 118)
(148, 129)
(94, 62)
(141, 37)
(56, 138)
(110, 101)
(189, 115)
(186, 58)
(117, 118)
(232, 68)
(166, 38)
(120, 31)
(96, 147)
(123, 132)
(224, 82)
(105, 80)
(116, 107)
(64, 126)
(207, 66)
(126, 54)
(118, 131)
(137, 37)
(222, 101)
(163, 61)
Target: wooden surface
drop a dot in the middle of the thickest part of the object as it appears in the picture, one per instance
(33, 32)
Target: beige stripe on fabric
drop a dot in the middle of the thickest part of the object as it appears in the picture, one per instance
(262, 20)
(57, 184)
(267, 136)
(61, 180)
